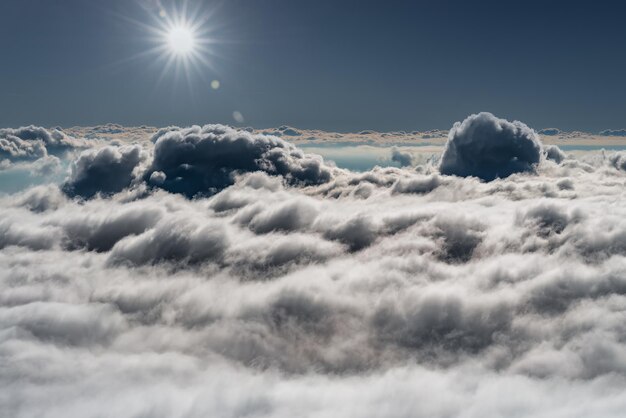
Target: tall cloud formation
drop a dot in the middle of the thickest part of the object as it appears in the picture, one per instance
(487, 147)
(392, 292)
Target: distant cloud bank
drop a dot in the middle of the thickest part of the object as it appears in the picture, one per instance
(613, 132)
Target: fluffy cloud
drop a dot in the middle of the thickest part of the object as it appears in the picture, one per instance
(488, 147)
(33, 142)
(417, 184)
(554, 153)
(395, 292)
(618, 160)
(403, 158)
(205, 160)
(550, 131)
(14, 148)
(106, 170)
(38, 199)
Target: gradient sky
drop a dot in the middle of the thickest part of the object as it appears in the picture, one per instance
(335, 65)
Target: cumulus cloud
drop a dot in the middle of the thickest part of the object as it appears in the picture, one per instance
(550, 131)
(487, 147)
(106, 170)
(618, 160)
(14, 148)
(205, 160)
(403, 158)
(554, 153)
(172, 241)
(277, 286)
(34, 142)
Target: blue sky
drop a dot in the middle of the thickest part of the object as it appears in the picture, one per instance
(334, 65)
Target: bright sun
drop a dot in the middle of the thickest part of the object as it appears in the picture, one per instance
(181, 40)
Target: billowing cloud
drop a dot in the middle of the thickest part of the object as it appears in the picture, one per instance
(205, 160)
(15, 148)
(106, 170)
(618, 160)
(554, 153)
(404, 158)
(33, 142)
(392, 292)
(487, 147)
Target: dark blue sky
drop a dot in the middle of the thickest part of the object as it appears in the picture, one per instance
(334, 65)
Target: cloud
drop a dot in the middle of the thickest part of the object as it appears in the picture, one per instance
(280, 290)
(283, 130)
(55, 140)
(289, 131)
(488, 147)
(421, 184)
(550, 131)
(403, 158)
(46, 166)
(554, 153)
(15, 148)
(618, 160)
(172, 241)
(613, 132)
(34, 142)
(293, 215)
(101, 232)
(205, 160)
(39, 198)
(106, 170)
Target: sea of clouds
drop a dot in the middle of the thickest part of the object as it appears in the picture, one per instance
(212, 271)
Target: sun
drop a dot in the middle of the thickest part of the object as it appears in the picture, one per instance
(181, 40)
(182, 37)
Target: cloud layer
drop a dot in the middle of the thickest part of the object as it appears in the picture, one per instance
(276, 285)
